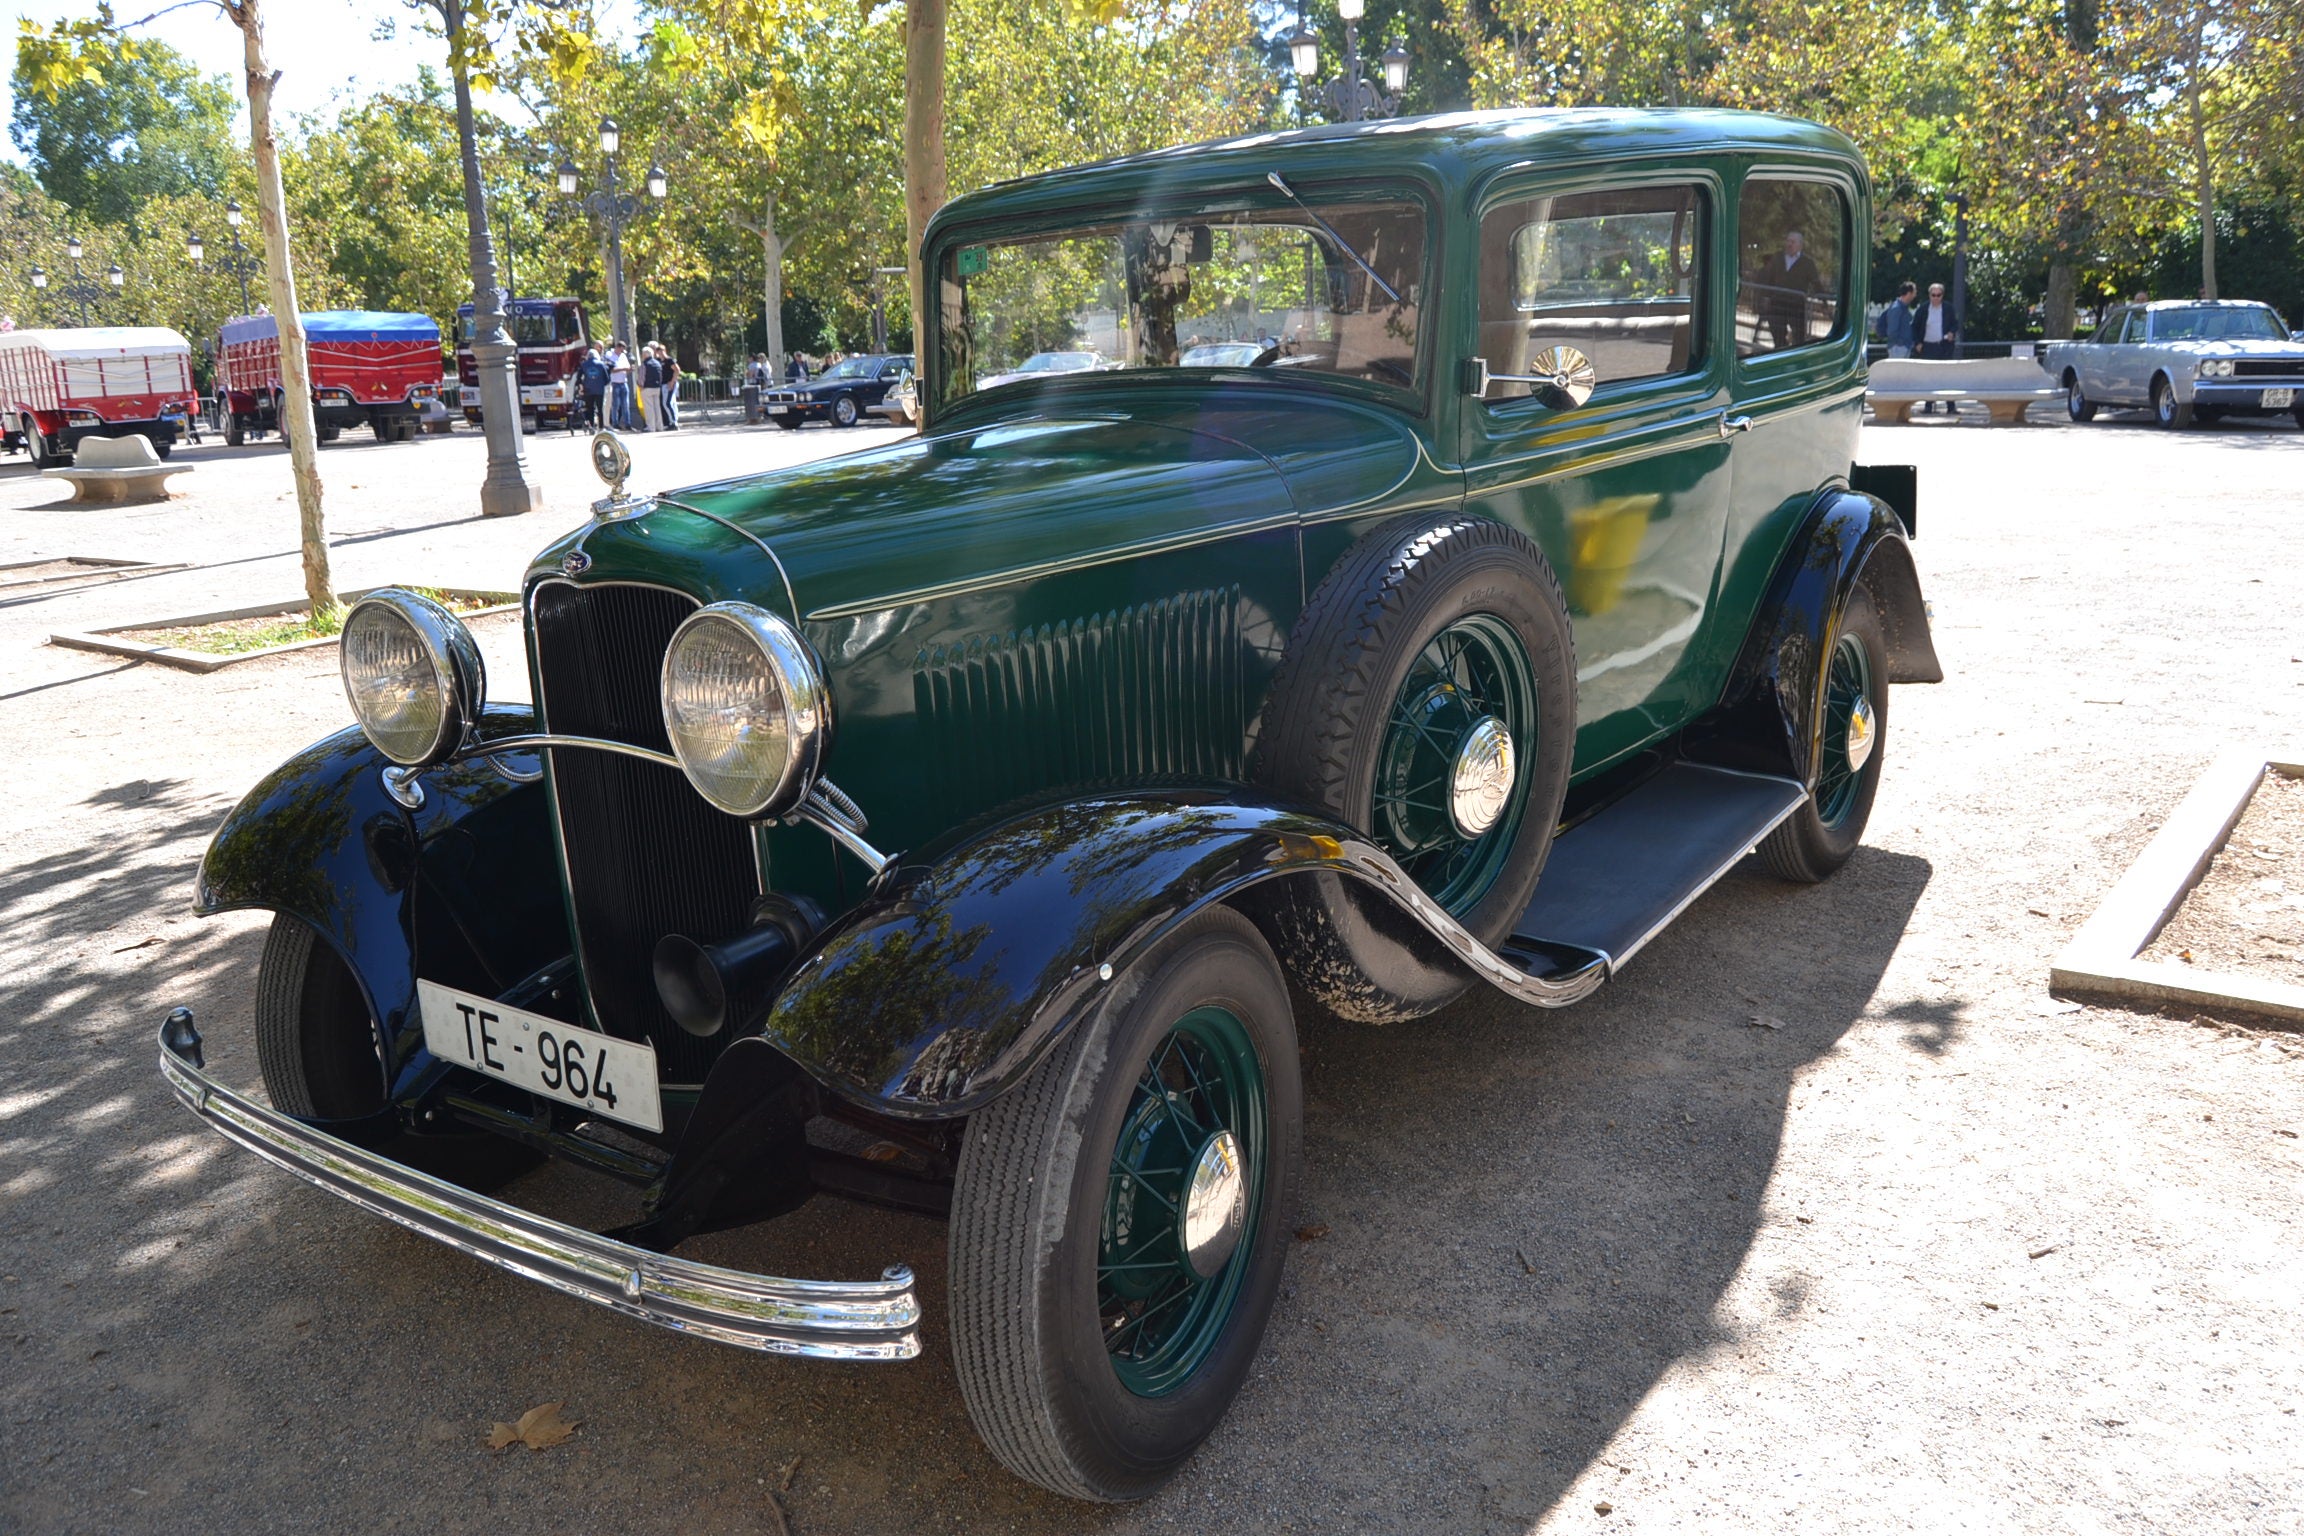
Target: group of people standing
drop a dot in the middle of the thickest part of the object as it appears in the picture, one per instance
(1916, 328)
(628, 391)
(762, 372)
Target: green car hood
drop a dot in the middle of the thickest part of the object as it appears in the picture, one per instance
(1013, 496)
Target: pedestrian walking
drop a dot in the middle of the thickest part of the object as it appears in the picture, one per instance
(592, 386)
(671, 388)
(619, 387)
(1896, 321)
(1937, 330)
(651, 389)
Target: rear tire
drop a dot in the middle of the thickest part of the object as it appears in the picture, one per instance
(235, 434)
(36, 444)
(1060, 1268)
(1815, 840)
(2167, 410)
(163, 449)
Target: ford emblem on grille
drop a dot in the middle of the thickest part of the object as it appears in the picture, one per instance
(576, 563)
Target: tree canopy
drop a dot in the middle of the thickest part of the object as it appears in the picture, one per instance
(133, 124)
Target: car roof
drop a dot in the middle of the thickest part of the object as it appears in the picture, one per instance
(1454, 148)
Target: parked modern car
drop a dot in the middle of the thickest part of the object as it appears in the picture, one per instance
(1223, 354)
(842, 394)
(951, 825)
(1043, 365)
(902, 402)
(2186, 360)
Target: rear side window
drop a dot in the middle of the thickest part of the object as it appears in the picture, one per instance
(1792, 248)
(1616, 274)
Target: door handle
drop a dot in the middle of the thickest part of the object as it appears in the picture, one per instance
(1730, 425)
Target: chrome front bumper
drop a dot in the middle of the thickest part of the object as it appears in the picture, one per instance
(825, 1319)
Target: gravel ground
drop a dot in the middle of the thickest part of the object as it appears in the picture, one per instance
(2247, 912)
(1826, 1217)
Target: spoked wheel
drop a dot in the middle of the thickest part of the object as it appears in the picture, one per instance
(1452, 770)
(1119, 1222)
(2077, 405)
(1852, 707)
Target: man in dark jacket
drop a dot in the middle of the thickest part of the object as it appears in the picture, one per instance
(1936, 332)
(1784, 284)
(592, 385)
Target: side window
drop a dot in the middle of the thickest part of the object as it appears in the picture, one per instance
(1617, 275)
(1792, 265)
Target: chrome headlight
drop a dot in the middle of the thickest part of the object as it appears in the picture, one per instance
(746, 708)
(413, 674)
(2218, 368)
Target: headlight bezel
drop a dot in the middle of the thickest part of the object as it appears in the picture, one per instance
(2218, 368)
(458, 671)
(805, 700)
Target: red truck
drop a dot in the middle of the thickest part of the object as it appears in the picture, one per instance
(370, 367)
(59, 386)
(552, 336)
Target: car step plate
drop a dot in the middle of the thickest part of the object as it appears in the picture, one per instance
(1615, 881)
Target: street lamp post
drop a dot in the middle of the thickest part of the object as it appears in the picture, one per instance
(83, 291)
(1351, 97)
(880, 307)
(234, 263)
(614, 209)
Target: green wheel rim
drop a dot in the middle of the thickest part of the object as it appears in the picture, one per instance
(1474, 669)
(1159, 1316)
(1846, 685)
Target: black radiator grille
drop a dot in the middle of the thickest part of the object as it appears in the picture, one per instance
(647, 855)
(2269, 368)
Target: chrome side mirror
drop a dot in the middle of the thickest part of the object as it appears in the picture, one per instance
(1564, 378)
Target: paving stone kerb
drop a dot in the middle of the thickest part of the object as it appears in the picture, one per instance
(1721, 1278)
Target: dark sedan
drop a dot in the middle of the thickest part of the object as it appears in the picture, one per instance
(842, 395)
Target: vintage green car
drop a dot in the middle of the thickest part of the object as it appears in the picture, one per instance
(960, 825)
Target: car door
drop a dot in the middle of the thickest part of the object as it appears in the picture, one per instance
(1625, 492)
(2125, 368)
(1797, 377)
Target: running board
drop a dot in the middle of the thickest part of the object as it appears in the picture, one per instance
(1616, 881)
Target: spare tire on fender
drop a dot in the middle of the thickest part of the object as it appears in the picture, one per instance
(1428, 700)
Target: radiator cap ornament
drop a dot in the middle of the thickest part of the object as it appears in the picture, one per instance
(612, 462)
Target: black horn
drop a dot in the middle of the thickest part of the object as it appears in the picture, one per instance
(708, 987)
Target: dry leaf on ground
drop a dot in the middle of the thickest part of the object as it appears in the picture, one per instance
(540, 1428)
(1312, 1233)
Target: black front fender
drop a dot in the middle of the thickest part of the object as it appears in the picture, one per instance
(467, 887)
(974, 956)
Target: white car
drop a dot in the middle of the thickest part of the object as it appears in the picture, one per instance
(1042, 365)
(1223, 354)
(2188, 360)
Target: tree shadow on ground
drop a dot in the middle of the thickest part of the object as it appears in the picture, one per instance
(1529, 1218)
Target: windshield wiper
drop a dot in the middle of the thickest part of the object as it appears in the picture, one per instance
(1342, 244)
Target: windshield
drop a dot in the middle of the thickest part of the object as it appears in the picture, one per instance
(1058, 362)
(2217, 322)
(1224, 354)
(1335, 291)
(851, 368)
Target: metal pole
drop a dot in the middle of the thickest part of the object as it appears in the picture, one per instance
(1350, 90)
(509, 486)
(619, 302)
(1960, 268)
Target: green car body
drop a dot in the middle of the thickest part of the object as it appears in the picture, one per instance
(1050, 643)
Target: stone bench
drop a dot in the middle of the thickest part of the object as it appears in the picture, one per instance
(2004, 386)
(117, 469)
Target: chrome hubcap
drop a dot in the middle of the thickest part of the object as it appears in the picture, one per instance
(1861, 735)
(1481, 783)
(1215, 1205)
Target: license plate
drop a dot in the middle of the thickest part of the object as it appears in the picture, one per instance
(778, 410)
(612, 1078)
(2279, 399)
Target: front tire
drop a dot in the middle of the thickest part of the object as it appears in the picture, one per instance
(2167, 410)
(1097, 1335)
(2077, 405)
(1815, 840)
(844, 412)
